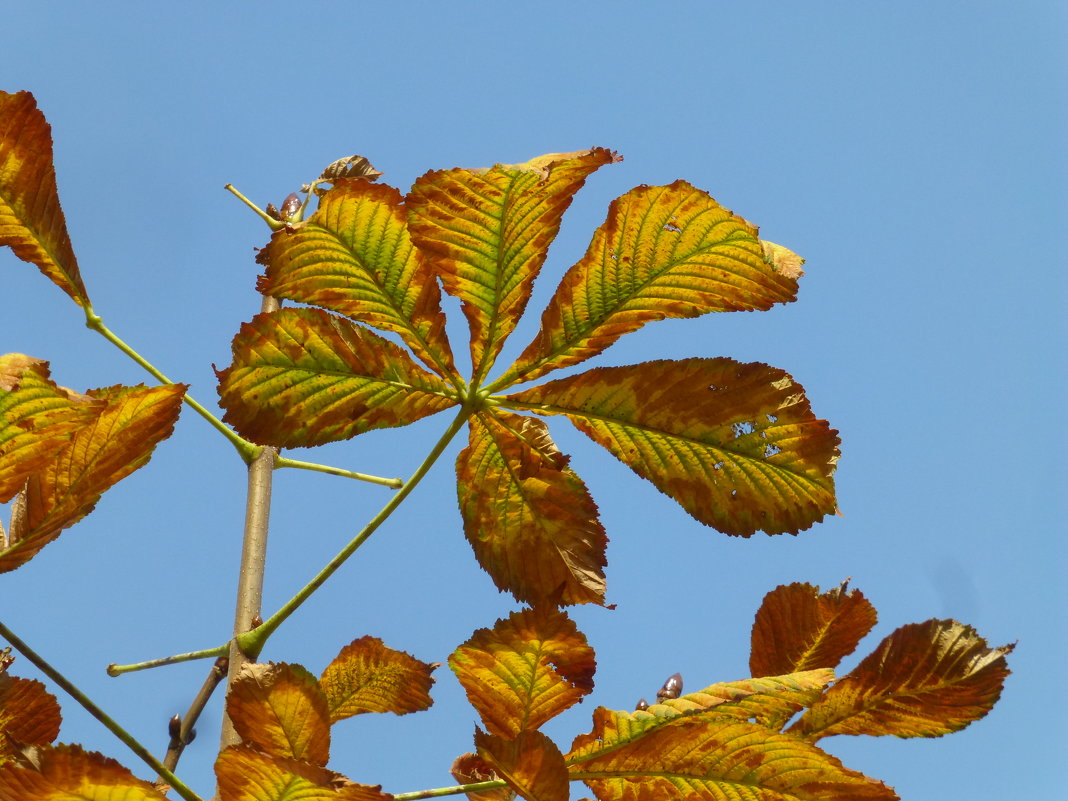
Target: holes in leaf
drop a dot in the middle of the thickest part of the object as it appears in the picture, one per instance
(671, 226)
(772, 418)
(743, 428)
(717, 466)
(770, 450)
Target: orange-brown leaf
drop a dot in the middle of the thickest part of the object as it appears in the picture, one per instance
(526, 670)
(29, 715)
(735, 444)
(531, 521)
(664, 252)
(799, 628)
(472, 769)
(369, 677)
(924, 680)
(113, 444)
(716, 758)
(531, 764)
(304, 377)
(67, 773)
(281, 710)
(37, 419)
(245, 774)
(354, 256)
(31, 220)
(487, 233)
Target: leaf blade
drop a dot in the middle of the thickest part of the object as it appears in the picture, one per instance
(29, 715)
(31, 220)
(354, 256)
(664, 252)
(69, 772)
(303, 377)
(923, 680)
(530, 520)
(245, 774)
(736, 445)
(487, 232)
(526, 670)
(366, 676)
(531, 764)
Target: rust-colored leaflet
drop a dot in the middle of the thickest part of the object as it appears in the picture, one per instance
(799, 628)
(113, 444)
(281, 710)
(37, 419)
(735, 444)
(924, 680)
(354, 256)
(367, 676)
(29, 715)
(68, 773)
(664, 252)
(487, 233)
(31, 220)
(526, 670)
(531, 521)
(306, 377)
(245, 774)
(713, 758)
(531, 764)
(472, 769)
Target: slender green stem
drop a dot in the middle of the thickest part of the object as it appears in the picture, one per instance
(476, 787)
(247, 449)
(99, 714)
(207, 653)
(282, 461)
(272, 223)
(252, 642)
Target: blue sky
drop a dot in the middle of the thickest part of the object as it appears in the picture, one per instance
(914, 153)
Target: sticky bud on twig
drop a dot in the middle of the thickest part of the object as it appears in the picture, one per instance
(672, 687)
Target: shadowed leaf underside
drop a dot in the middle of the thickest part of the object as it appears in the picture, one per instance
(531, 764)
(736, 445)
(68, 773)
(29, 715)
(306, 377)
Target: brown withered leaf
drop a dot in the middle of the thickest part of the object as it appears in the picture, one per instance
(29, 715)
(924, 680)
(31, 220)
(531, 764)
(68, 773)
(799, 628)
(472, 769)
(526, 670)
(280, 709)
(367, 676)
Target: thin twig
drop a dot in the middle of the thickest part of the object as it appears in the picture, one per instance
(131, 742)
(207, 653)
(183, 733)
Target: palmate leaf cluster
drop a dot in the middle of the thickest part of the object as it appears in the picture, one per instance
(736, 445)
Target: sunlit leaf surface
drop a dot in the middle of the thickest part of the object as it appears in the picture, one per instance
(531, 764)
(530, 519)
(37, 419)
(472, 769)
(487, 233)
(113, 444)
(664, 252)
(306, 377)
(67, 773)
(527, 669)
(29, 715)
(735, 444)
(799, 628)
(281, 710)
(245, 774)
(31, 220)
(924, 680)
(369, 677)
(708, 757)
(354, 256)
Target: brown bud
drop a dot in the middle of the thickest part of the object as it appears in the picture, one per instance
(174, 727)
(641, 706)
(290, 207)
(672, 687)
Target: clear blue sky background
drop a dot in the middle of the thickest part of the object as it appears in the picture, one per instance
(913, 152)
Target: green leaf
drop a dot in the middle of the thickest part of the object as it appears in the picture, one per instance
(735, 444)
(305, 377)
(354, 256)
(664, 252)
(531, 521)
(487, 233)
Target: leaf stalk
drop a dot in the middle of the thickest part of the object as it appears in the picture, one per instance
(207, 653)
(282, 461)
(129, 740)
(476, 787)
